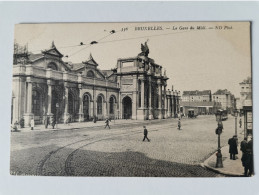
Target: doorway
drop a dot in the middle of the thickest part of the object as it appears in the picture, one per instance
(127, 107)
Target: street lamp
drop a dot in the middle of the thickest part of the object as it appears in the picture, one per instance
(219, 163)
(235, 114)
(57, 106)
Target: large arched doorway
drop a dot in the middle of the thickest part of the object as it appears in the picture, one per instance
(86, 107)
(54, 103)
(127, 107)
(71, 105)
(99, 105)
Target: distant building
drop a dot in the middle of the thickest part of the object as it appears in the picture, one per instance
(245, 94)
(196, 96)
(201, 108)
(225, 98)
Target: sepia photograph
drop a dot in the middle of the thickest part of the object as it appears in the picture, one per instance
(144, 99)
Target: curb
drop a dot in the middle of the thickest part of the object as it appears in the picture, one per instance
(75, 128)
(226, 173)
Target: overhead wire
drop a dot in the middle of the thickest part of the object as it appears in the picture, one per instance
(111, 41)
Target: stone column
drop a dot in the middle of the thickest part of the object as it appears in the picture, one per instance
(160, 100)
(28, 115)
(49, 98)
(150, 117)
(142, 93)
(66, 114)
(134, 98)
(165, 103)
(80, 113)
(29, 97)
(105, 115)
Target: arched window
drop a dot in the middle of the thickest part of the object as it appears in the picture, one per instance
(90, 73)
(36, 103)
(112, 101)
(99, 105)
(53, 66)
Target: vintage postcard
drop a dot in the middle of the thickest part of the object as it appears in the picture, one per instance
(151, 99)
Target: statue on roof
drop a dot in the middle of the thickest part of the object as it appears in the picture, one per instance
(90, 57)
(52, 45)
(144, 49)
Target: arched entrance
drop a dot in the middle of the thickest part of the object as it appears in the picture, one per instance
(86, 107)
(127, 107)
(54, 103)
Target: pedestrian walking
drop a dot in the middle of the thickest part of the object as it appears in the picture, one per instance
(107, 121)
(15, 126)
(68, 120)
(240, 123)
(243, 145)
(145, 134)
(249, 151)
(22, 122)
(32, 123)
(179, 124)
(232, 142)
(46, 122)
(53, 122)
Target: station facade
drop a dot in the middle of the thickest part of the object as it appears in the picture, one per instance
(44, 85)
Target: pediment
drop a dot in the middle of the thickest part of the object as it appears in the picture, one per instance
(53, 52)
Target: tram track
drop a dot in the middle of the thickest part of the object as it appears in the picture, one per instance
(41, 170)
(68, 169)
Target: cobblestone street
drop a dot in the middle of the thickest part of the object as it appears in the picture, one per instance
(120, 151)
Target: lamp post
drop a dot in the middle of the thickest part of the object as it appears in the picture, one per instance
(219, 163)
(57, 106)
(235, 114)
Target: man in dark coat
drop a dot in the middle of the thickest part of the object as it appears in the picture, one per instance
(107, 123)
(179, 124)
(145, 134)
(232, 142)
(240, 123)
(243, 145)
(46, 122)
(247, 159)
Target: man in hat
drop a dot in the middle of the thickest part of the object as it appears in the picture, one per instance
(107, 123)
(145, 134)
(179, 124)
(232, 142)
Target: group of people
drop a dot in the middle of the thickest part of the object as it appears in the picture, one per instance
(49, 120)
(247, 156)
(247, 153)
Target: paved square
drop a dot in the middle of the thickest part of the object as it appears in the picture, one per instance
(120, 151)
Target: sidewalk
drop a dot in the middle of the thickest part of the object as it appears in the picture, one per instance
(89, 124)
(230, 167)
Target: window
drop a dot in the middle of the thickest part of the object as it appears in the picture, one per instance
(53, 66)
(36, 103)
(99, 105)
(90, 73)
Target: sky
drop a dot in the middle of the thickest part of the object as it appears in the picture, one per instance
(216, 56)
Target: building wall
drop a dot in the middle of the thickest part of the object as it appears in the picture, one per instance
(40, 91)
(224, 99)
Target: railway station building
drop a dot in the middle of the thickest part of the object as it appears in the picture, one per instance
(44, 85)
